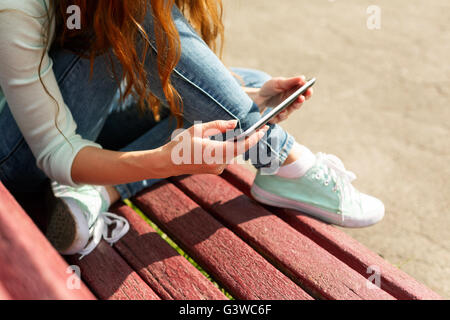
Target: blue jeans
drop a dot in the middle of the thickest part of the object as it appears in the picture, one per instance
(208, 89)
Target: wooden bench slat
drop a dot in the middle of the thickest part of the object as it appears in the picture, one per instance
(110, 277)
(241, 270)
(30, 268)
(312, 267)
(356, 255)
(168, 273)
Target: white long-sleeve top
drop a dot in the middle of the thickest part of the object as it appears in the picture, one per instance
(21, 48)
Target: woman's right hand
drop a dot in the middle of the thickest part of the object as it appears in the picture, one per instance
(193, 152)
(189, 152)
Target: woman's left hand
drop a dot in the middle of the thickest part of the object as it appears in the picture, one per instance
(274, 91)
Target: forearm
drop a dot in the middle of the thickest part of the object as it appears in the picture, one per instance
(104, 167)
(96, 166)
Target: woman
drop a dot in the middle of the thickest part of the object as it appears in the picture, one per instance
(62, 114)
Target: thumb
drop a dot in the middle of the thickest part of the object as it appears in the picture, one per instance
(286, 84)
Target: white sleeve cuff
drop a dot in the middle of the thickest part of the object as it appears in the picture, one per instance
(58, 167)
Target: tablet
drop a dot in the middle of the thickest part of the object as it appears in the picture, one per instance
(275, 111)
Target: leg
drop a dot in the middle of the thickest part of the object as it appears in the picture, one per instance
(209, 90)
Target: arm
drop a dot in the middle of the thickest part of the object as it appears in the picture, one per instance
(103, 167)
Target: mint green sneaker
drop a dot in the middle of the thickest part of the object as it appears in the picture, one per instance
(79, 219)
(325, 192)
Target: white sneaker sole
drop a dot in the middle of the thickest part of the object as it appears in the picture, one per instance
(271, 199)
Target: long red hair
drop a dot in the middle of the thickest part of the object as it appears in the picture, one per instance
(117, 25)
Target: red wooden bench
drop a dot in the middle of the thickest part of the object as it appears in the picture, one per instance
(252, 251)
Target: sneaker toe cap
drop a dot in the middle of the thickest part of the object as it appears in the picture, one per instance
(372, 212)
(373, 209)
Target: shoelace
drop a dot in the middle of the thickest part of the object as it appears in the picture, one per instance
(342, 177)
(100, 230)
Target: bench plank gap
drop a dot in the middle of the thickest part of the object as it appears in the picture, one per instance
(241, 270)
(167, 272)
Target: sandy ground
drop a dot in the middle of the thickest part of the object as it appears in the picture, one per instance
(381, 104)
